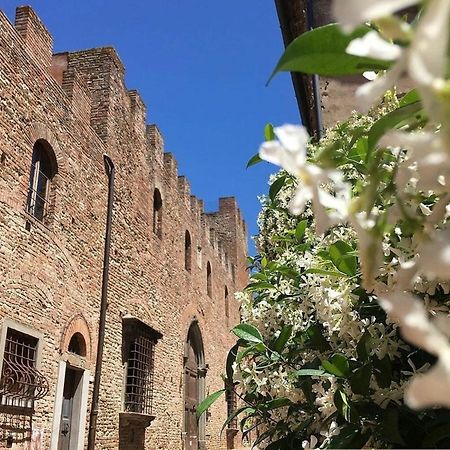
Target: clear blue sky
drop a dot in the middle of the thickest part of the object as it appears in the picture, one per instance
(201, 68)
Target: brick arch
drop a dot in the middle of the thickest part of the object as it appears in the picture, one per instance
(41, 131)
(77, 324)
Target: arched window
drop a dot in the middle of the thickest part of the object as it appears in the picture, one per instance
(187, 251)
(77, 345)
(157, 213)
(227, 304)
(208, 280)
(43, 169)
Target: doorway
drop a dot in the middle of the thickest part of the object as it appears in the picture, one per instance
(67, 427)
(194, 390)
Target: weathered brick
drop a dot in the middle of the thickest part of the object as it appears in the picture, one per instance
(50, 273)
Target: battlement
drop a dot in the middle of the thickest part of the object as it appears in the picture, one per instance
(94, 92)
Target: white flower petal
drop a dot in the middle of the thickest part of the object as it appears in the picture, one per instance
(428, 59)
(372, 45)
(298, 202)
(416, 328)
(351, 13)
(434, 256)
(370, 93)
(370, 75)
(431, 389)
(293, 137)
(274, 153)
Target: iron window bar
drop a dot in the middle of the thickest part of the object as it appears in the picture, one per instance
(139, 382)
(21, 382)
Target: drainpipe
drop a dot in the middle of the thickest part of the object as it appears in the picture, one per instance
(110, 171)
(315, 78)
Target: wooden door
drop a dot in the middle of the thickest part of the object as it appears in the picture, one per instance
(70, 386)
(190, 400)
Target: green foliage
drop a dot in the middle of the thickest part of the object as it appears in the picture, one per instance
(322, 51)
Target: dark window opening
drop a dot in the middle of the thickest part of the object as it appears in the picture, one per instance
(157, 213)
(208, 280)
(43, 169)
(139, 355)
(77, 345)
(187, 252)
(227, 305)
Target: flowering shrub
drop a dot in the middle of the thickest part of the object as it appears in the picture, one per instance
(344, 340)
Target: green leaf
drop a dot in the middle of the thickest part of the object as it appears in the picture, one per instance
(312, 373)
(259, 286)
(322, 52)
(344, 407)
(392, 120)
(206, 404)
(236, 412)
(390, 427)
(248, 333)
(349, 437)
(360, 380)
(329, 273)
(337, 365)
(300, 230)
(315, 339)
(283, 338)
(281, 444)
(255, 159)
(342, 257)
(435, 435)
(412, 96)
(276, 187)
(277, 403)
(258, 348)
(362, 348)
(382, 371)
(269, 134)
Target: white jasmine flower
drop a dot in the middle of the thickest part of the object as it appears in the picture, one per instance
(289, 152)
(425, 60)
(427, 162)
(311, 444)
(351, 13)
(372, 45)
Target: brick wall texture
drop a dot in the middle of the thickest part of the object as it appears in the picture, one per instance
(51, 270)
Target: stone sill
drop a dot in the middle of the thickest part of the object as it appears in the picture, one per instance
(136, 419)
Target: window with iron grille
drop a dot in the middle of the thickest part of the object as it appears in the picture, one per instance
(230, 396)
(43, 169)
(21, 383)
(139, 354)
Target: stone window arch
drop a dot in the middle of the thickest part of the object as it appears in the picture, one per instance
(187, 251)
(209, 279)
(157, 213)
(43, 170)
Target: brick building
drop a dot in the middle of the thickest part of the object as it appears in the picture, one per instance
(173, 267)
(322, 101)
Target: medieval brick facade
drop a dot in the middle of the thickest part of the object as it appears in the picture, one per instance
(74, 107)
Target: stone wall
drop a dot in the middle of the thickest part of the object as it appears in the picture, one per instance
(50, 272)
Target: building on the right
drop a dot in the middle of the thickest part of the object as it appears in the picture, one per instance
(322, 101)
